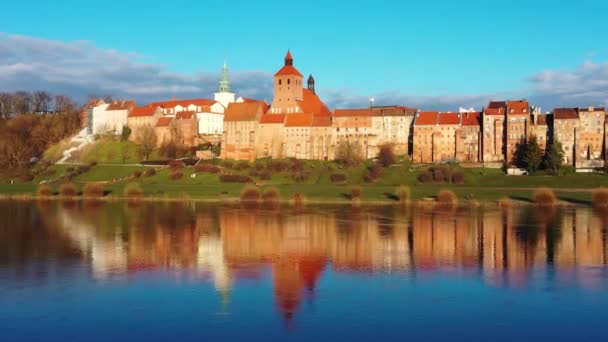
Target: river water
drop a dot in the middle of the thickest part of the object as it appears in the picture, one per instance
(192, 271)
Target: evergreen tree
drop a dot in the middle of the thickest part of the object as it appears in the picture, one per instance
(554, 157)
(533, 155)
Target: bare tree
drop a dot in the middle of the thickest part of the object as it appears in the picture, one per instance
(41, 101)
(62, 104)
(147, 140)
(6, 105)
(22, 101)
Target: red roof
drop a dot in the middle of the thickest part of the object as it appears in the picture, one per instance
(471, 118)
(186, 115)
(164, 122)
(311, 103)
(426, 118)
(288, 70)
(245, 111)
(321, 121)
(353, 112)
(121, 105)
(449, 118)
(185, 103)
(272, 118)
(143, 111)
(518, 107)
(565, 113)
(299, 120)
(375, 111)
(496, 108)
(288, 56)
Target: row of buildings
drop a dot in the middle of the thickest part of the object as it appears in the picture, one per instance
(189, 122)
(297, 124)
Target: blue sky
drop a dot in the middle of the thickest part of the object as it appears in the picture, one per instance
(426, 52)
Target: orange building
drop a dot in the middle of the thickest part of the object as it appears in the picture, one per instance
(435, 137)
(517, 127)
(493, 121)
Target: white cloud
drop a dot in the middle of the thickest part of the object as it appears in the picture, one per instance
(80, 68)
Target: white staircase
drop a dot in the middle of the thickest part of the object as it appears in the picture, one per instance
(82, 139)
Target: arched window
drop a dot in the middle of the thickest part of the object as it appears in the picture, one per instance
(280, 81)
(289, 81)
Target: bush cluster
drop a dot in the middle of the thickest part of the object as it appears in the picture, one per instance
(133, 190)
(373, 173)
(93, 190)
(45, 190)
(68, 189)
(136, 174)
(149, 172)
(338, 177)
(544, 197)
(441, 174)
(599, 198)
(176, 175)
(250, 194)
(209, 168)
(231, 178)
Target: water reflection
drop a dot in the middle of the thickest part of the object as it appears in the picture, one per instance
(227, 244)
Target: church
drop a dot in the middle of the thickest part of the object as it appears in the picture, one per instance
(297, 124)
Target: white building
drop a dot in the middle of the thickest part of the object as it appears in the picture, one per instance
(109, 118)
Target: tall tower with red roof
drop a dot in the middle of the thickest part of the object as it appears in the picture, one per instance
(288, 88)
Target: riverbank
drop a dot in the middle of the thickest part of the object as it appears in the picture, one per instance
(315, 183)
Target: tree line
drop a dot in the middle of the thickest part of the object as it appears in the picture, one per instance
(30, 123)
(37, 102)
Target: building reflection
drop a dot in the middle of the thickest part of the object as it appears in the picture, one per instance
(229, 244)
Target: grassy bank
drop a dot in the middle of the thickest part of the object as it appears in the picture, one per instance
(314, 180)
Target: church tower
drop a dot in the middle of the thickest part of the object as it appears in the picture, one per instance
(288, 88)
(311, 84)
(224, 95)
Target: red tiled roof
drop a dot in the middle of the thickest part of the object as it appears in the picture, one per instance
(164, 122)
(272, 118)
(518, 107)
(588, 109)
(311, 103)
(565, 113)
(321, 121)
(186, 115)
(353, 112)
(93, 103)
(449, 119)
(121, 105)
(426, 118)
(143, 111)
(496, 108)
(185, 103)
(471, 119)
(299, 120)
(245, 111)
(542, 119)
(375, 111)
(287, 70)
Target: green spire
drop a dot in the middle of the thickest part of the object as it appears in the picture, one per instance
(224, 82)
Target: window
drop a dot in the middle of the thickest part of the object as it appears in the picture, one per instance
(280, 82)
(289, 81)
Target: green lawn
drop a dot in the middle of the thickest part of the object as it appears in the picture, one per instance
(481, 184)
(109, 150)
